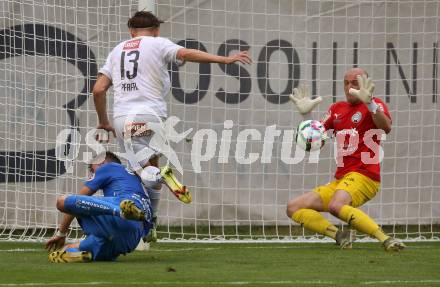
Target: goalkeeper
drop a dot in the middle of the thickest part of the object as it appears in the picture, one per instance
(355, 182)
(113, 224)
(138, 70)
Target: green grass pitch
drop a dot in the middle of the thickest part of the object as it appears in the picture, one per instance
(185, 264)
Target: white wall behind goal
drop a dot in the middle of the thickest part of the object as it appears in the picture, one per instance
(291, 42)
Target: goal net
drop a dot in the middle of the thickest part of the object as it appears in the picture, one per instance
(238, 161)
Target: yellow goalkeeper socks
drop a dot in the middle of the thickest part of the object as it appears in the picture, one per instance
(313, 220)
(380, 235)
(361, 222)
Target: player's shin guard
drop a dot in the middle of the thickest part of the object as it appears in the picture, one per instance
(361, 222)
(88, 205)
(314, 221)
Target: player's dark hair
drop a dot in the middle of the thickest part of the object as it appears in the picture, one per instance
(144, 19)
(111, 157)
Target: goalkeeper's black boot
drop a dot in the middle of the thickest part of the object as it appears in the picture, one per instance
(393, 244)
(345, 238)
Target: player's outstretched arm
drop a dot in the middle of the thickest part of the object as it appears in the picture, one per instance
(301, 99)
(382, 121)
(100, 88)
(193, 55)
(365, 94)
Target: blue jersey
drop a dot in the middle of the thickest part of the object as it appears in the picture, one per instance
(108, 235)
(116, 181)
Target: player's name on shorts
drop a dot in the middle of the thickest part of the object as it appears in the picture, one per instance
(137, 129)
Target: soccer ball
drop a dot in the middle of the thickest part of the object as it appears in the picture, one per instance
(310, 135)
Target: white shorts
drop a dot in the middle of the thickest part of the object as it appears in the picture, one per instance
(134, 135)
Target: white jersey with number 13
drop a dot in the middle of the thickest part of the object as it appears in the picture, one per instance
(138, 69)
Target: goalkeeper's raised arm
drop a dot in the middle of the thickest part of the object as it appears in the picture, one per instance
(301, 99)
(361, 90)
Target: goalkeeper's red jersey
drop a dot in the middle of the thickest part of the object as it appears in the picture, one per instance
(345, 118)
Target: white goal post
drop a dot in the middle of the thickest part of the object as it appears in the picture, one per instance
(50, 54)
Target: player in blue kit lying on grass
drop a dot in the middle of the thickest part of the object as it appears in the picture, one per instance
(113, 224)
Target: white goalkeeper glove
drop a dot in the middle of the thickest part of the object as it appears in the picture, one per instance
(365, 92)
(302, 100)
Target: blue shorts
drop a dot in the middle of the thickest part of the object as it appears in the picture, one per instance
(109, 236)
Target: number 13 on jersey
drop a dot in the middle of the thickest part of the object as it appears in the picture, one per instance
(133, 57)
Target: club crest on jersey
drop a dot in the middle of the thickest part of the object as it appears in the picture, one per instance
(133, 44)
(91, 176)
(356, 118)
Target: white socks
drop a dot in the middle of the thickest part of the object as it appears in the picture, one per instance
(152, 180)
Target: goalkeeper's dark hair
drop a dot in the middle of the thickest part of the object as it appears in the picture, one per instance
(144, 19)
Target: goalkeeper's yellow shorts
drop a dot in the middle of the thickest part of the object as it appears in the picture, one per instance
(360, 187)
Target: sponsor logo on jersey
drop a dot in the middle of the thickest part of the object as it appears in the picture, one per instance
(356, 117)
(133, 44)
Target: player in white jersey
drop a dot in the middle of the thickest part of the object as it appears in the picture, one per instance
(138, 70)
